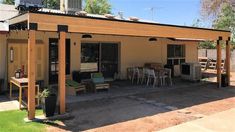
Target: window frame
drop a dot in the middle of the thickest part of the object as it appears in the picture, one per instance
(172, 57)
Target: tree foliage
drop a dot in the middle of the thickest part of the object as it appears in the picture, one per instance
(226, 20)
(9, 2)
(207, 45)
(211, 8)
(97, 7)
(52, 4)
(222, 15)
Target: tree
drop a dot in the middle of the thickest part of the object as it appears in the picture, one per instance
(211, 8)
(97, 7)
(221, 14)
(52, 4)
(10, 2)
(226, 20)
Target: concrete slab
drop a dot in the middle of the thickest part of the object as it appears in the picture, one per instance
(6, 104)
(220, 122)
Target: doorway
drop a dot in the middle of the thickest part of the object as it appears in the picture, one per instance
(53, 59)
(99, 57)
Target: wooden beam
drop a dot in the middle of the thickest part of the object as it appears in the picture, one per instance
(228, 54)
(31, 74)
(218, 65)
(19, 19)
(127, 28)
(62, 38)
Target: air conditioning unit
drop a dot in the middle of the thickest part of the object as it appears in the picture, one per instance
(72, 6)
(28, 5)
(191, 71)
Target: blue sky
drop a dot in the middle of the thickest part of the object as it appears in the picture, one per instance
(179, 12)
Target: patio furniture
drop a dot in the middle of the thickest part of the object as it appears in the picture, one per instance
(152, 76)
(22, 83)
(204, 62)
(98, 81)
(130, 71)
(162, 74)
(145, 75)
(137, 75)
(169, 76)
(153, 65)
(73, 87)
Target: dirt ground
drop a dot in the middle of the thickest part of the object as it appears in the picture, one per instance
(148, 112)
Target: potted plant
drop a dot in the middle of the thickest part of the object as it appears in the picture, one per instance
(48, 102)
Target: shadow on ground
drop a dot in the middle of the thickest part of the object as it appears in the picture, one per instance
(103, 112)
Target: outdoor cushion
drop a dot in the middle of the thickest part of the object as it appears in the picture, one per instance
(98, 80)
(97, 75)
(71, 83)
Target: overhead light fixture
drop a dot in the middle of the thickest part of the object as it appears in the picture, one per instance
(86, 36)
(152, 39)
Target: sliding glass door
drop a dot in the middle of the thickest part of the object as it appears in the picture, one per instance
(109, 59)
(99, 57)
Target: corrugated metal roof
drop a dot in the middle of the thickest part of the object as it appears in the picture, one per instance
(7, 12)
(4, 27)
(92, 15)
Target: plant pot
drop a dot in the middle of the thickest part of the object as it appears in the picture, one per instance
(49, 105)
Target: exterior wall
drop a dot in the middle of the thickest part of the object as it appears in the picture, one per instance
(134, 51)
(2, 55)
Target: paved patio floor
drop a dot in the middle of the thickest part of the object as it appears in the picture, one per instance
(126, 88)
(149, 111)
(6, 104)
(219, 122)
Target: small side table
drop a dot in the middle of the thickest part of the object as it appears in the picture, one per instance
(21, 83)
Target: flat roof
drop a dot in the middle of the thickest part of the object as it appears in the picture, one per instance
(122, 20)
(102, 25)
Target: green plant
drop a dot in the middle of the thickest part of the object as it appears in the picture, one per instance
(45, 93)
(98, 7)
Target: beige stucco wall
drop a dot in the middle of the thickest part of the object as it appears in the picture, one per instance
(134, 51)
(2, 55)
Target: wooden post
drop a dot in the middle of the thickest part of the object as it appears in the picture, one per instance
(31, 74)
(62, 36)
(228, 60)
(218, 65)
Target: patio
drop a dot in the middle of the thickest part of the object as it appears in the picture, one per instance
(145, 109)
(126, 88)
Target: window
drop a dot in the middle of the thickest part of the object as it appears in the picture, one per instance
(175, 54)
(89, 57)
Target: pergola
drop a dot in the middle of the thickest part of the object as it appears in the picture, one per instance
(63, 23)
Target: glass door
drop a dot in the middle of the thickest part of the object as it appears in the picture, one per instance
(109, 59)
(99, 57)
(53, 60)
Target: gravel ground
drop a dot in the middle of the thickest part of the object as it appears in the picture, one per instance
(148, 112)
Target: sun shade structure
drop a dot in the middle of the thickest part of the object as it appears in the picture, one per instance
(64, 23)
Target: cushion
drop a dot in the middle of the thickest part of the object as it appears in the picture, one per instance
(98, 80)
(71, 83)
(97, 75)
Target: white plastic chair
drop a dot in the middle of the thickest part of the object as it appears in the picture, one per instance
(169, 76)
(130, 71)
(162, 76)
(136, 75)
(152, 76)
(145, 75)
